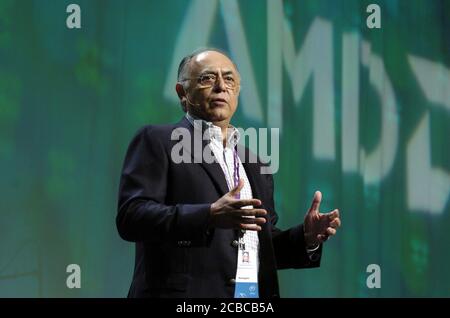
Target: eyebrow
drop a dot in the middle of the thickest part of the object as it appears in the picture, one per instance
(226, 72)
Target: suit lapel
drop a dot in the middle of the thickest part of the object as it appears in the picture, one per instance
(249, 162)
(212, 169)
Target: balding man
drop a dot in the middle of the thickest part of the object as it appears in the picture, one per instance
(193, 219)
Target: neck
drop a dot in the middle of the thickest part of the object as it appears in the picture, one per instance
(223, 124)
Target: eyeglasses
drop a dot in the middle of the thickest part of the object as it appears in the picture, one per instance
(209, 80)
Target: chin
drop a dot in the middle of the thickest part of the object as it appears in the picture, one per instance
(219, 115)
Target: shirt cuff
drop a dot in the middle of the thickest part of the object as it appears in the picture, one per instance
(312, 249)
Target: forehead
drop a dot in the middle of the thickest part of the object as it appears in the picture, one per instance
(212, 61)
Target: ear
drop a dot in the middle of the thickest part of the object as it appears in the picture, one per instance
(181, 95)
(180, 91)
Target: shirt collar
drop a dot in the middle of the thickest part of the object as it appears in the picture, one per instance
(214, 132)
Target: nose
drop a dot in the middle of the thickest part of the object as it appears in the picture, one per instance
(220, 84)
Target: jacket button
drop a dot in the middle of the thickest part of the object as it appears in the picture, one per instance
(314, 257)
(234, 243)
(232, 281)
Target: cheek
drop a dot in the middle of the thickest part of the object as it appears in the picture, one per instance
(234, 102)
(199, 95)
(200, 98)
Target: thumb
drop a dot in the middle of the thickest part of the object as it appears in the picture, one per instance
(237, 188)
(315, 205)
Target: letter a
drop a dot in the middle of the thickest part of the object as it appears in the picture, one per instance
(74, 279)
(374, 279)
(374, 19)
(73, 21)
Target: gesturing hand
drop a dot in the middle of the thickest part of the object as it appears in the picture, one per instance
(319, 226)
(228, 212)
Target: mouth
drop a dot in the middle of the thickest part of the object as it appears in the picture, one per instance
(218, 102)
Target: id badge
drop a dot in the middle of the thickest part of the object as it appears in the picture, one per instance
(246, 275)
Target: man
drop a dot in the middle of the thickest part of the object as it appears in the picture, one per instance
(190, 219)
(245, 257)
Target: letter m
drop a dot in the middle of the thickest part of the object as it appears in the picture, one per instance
(313, 61)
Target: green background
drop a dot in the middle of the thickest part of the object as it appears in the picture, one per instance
(71, 99)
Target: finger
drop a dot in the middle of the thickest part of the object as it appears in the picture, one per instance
(237, 188)
(250, 227)
(322, 238)
(258, 221)
(333, 214)
(336, 223)
(251, 212)
(330, 231)
(315, 205)
(244, 202)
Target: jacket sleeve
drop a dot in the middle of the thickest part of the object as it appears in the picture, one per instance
(142, 214)
(289, 245)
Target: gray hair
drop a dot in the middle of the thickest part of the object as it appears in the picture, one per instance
(182, 68)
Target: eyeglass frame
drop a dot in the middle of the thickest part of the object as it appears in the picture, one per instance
(237, 83)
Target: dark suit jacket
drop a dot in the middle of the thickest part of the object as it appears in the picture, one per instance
(164, 208)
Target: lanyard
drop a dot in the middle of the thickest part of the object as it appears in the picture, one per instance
(238, 195)
(236, 171)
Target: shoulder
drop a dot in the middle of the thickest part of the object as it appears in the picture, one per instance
(157, 133)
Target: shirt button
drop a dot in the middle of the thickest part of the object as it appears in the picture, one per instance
(235, 243)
